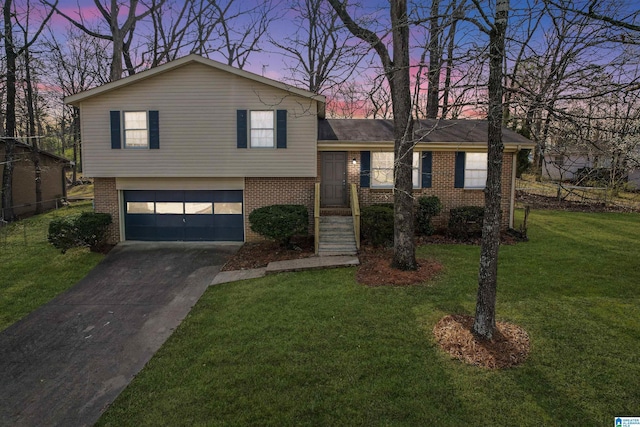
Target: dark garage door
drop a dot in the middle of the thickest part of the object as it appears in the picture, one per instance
(184, 215)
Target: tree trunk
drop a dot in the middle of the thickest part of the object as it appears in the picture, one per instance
(35, 149)
(404, 254)
(10, 115)
(397, 74)
(116, 57)
(435, 59)
(485, 318)
(447, 79)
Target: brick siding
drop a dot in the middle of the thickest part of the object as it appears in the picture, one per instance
(443, 168)
(106, 201)
(259, 192)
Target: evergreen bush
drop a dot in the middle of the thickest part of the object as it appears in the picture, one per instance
(466, 222)
(377, 224)
(280, 222)
(428, 207)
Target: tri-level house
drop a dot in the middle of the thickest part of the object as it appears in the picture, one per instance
(186, 150)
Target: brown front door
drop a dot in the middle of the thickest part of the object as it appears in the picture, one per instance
(334, 179)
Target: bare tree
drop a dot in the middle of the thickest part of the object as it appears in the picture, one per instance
(485, 318)
(379, 99)
(120, 35)
(347, 101)
(80, 62)
(396, 71)
(320, 48)
(242, 31)
(12, 52)
(229, 28)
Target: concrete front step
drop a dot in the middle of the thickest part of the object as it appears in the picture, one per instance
(336, 236)
(335, 212)
(334, 252)
(336, 220)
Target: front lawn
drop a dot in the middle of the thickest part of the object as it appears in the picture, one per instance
(315, 348)
(32, 272)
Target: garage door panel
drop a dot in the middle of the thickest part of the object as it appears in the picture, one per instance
(228, 196)
(194, 234)
(169, 221)
(198, 196)
(140, 196)
(184, 215)
(141, 233)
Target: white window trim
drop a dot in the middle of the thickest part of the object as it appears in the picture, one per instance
(416, 185)
(272, 128)
(125, 129)
(466, 169)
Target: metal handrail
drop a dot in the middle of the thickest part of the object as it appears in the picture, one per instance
(355, 212)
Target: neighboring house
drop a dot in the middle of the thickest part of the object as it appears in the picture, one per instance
(52, 175)
(563, 166)
(186, 150)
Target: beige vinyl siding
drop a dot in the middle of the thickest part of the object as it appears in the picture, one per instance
(180, 183)
(197, 107)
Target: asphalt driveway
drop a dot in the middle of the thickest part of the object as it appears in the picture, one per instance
(67, 361)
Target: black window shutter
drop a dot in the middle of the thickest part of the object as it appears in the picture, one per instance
(460, 161)
(242, 128)
(365, 169)
(427, 160)
(154, 130)
(281, 129)
(116, 135)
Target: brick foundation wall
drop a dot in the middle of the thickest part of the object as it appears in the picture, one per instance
(259, 192)
(106, 201)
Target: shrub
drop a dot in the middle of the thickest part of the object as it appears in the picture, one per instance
(377, 224)
(87, 229)
(466, 221)
(428, 207)
(62, 233)
(280, 222)
(91, 229)
(523, 164)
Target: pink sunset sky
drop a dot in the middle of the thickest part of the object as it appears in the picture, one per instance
(269, 61)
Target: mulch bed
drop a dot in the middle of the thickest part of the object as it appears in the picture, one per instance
(509, 347)
(375, 269)
(257, 255)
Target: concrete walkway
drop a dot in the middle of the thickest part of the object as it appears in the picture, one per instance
(311, 263)
(65, 363)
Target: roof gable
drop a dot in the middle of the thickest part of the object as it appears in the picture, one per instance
(190, 59)
(22, 146)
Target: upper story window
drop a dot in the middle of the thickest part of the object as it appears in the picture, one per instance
(262, 129)
(136, 131)
(382, 170)
(475, 170)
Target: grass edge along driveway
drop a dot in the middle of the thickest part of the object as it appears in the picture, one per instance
(316, 348)
(32, 271)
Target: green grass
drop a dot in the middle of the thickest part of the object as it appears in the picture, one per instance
(80, 191)
(315, 348)
(32, 272)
